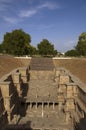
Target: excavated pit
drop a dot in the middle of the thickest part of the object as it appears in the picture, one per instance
(42, 97)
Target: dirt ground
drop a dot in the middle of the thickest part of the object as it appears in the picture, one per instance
(76, 66)
(8, 63)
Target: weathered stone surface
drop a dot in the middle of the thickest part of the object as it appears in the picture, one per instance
(16, 77)
(6, 88)
(41, 64)
(52, 99)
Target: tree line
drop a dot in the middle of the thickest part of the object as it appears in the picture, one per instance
(17, 43)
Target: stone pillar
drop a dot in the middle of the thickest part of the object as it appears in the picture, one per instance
(24, 74)
(57, 76)
(6, 88)
(16, 77)
(15, 119)
(8, 94)
(64, 79)
(3, 115)
(53, 105)
(17, 82)
(67, 117)
(62, 89)
(75, 90)
(70, 92)
(9, 117)
(60, 106)
(42, 110)
(36, 105)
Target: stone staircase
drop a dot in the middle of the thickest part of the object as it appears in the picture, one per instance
(41, 64)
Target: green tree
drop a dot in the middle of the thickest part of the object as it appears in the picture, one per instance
(16, 42)
(81, 45)
(32, 50)
(45, 48)
(71, 53)
(0, 48)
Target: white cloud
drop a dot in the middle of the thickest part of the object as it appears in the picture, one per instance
(27, 13)
(31, 12)
(49, 6)
(10, 20)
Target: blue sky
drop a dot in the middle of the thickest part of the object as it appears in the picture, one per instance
(59, 21)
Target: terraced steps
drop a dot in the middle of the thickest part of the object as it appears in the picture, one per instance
(41, 64)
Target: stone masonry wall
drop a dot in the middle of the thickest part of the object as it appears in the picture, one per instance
(74, 95)
(71, 94)
(11, 89)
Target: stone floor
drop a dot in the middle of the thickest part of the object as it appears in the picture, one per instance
(46, 123)
(42, 88)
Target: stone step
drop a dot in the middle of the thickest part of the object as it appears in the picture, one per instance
(41, 64)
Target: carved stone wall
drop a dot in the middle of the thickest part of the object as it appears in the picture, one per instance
(11, 89)
(74, 92)
(70, 95)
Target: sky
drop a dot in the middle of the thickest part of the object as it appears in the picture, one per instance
(59, 21)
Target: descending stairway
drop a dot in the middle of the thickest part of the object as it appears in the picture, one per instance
(41, 64)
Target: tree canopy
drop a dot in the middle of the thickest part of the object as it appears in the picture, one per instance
(16, 42)
(0, 48)
(45, 48)
(81, 45)
(71, 53)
